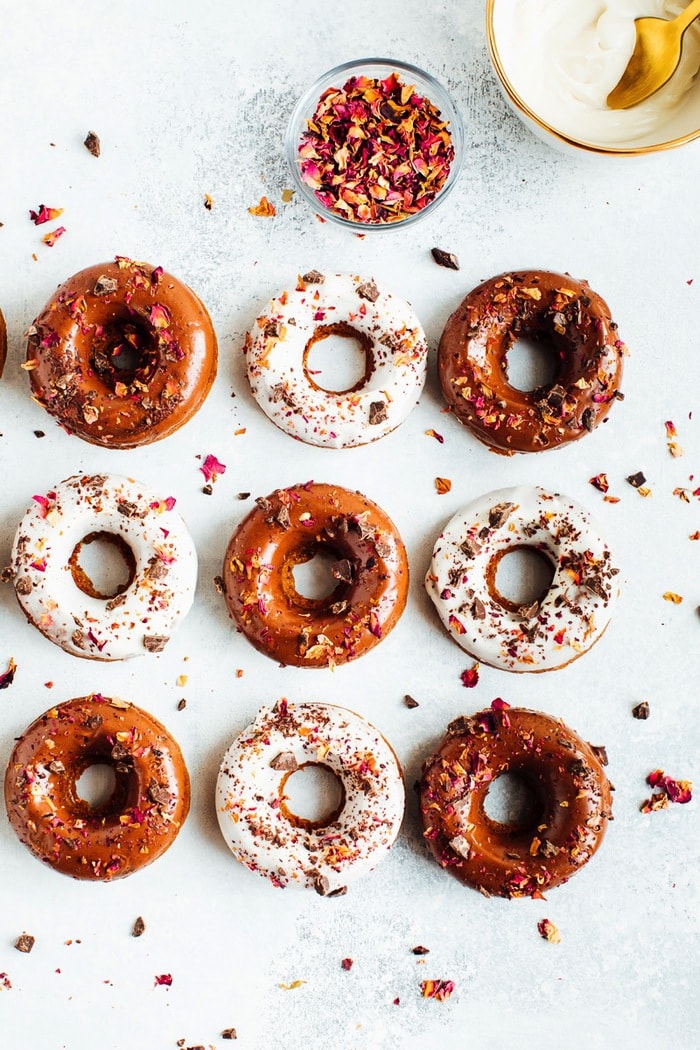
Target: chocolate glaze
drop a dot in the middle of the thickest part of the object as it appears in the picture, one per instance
(551, 308)
(157, 382)
(571, 812)
(134, 826)
(288, 528)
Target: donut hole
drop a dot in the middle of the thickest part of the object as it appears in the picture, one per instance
(126, 351)
(311, 796)
(338, 359)
(513, 803)
(315, 577)
(532, 363)
(97, 784)
(519, 578)
(103, 565)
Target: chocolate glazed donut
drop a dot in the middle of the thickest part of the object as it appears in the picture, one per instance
(571, 808)
(288, 528)
(142, 817)
(550, 308)
(3, 342)
(123, 354)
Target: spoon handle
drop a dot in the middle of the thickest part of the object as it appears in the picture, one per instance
(689, 15)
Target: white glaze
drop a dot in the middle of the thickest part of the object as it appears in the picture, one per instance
(160, 594)
(571, 616)
(275, 361)
(563, 58)
(248, 792)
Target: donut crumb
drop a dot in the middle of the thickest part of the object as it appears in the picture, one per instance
(92, 144)
(138, 928)
(24, 943)
(641, 710)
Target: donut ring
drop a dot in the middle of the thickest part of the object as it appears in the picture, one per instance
(268, 838)
(572, 801)
(289, 527)
(552, 632)
(59, 599)
(140, 820)
(550, 308)
(396, 354)
(3, 342)
(131, 311)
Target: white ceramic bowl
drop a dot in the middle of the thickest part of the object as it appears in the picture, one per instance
(376, 68)
(681, 127)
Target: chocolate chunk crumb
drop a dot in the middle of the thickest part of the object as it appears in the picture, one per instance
(284, 761)
(636, 480)
(7, 574)
(219, 584)
(338, 608)
(321, 883)
(368, 291)
(587, 419)
(130, 510)
(446, 259)
(641, 711)
(342, 570)
(600, 753)
(410, 702)
(478, 609)
(340, 892)
(499, 514)
(138, 927)
(313, 277)
(92, 144)
(470, 548)
(155, 643)
(282, 518)
(158, 793)
(547, 848)
(94, 721)
(105, 286)
(207, 490)
(182, 704)
(377, 412)
(25, 943)
(39, 434)
(243, 495)
(419, 949)
(229, 1033)
(56, 766)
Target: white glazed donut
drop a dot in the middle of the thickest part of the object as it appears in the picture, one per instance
(59, 599)
(551, 632)
(395, 348)
(262, 833)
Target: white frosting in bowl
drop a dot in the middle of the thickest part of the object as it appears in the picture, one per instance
(562, 58)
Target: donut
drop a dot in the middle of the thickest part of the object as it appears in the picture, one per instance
(541, 635)
(558, 835)
(262, 832)
(568, 318)
(59, 598)
(122, 355)
(132, 828)
(291, 526)
(387, 330)
(3, 342)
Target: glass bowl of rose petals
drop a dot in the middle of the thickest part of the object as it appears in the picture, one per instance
(375, 144)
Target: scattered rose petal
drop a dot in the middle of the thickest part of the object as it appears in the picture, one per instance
(434, 434)
(287, 195)
(265, 209)
(44, 214)
(442, 486)
(211, 468)
(164, 978)
(294, 984)
(666, 790)
(346, 964)
(549, 931)
(600, 482)
(5, 981)
(208, 202)
(470, 677)
(50, 238)
(671, 596)
(440, 990)
(8, 676)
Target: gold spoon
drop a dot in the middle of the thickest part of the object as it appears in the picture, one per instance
(657, 52)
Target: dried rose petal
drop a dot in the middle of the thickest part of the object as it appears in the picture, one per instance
(44, 214)
(50, 239)
(8, 676)
(211, 468)
(440, 990)
(470, 677)
(442, 486)
(434, 434)
(164, 978)
(265, 209)
(671, 596)
(346, 964)
(548, 931)
(600, 482)
(666, 790)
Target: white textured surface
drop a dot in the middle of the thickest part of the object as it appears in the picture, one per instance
(193, 99)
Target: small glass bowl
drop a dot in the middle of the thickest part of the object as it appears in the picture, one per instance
(376, 68)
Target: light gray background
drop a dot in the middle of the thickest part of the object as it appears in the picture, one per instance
(193, 99)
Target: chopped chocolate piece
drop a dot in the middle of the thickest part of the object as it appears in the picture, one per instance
(130, 510)
(321, 885)
(338, 608)
(105, 286)
(600, 753)
(377, 412)
(529, 611)
(157, 570)
(94, 721)
(410, 702)
(181, 704)
(587, 419)
(446, 259)
(641, 711)
(419, 949)
(92, 143)
(264, 504)
(138, 927)
(636, 480)
(470, 547)
(158, 793)
(207, 490)
(229, 1033)
(478, 609)
(114, 603)
(547, 848)
(499, 514)
(281, 517)
(7, 574)
(342, 570)
(119, 752)
(340, 892)
(313, 277)
(56, 766)
(155, 643)
(24, 943)
(243, 495)
(368, 291)
(284, 761)
(39, 434)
